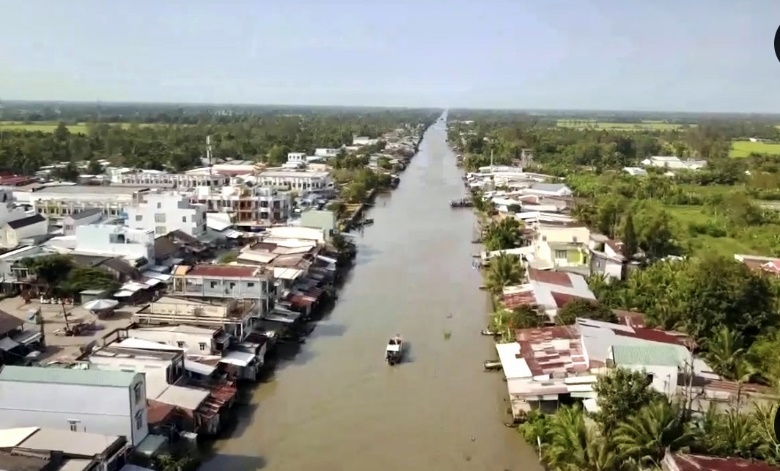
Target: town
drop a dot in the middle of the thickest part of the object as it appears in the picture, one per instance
(138, 304)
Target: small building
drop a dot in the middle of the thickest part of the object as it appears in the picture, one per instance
(80, 218)
(320, 219)
(165, 212)
(104, 402)
(17, 230)
(115, 240)
(295, 180)
(233, 316)
(223, 282)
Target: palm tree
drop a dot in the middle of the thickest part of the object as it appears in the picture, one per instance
(727, 356)
(644, 437)
(573, 446)
(505, 270)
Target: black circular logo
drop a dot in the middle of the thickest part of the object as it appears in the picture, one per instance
(777, 43)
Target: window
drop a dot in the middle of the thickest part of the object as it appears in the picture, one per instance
(250, 285)
(180, 344)
(139, 419)
(160, 230)
(74, 425)
(184, 219)
(138, 392)
(213, 284)
(560, 254)
(159, 205)
(139, 217)
(202, 346)
(159, 217)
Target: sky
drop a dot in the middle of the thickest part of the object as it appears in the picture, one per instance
(666, 55)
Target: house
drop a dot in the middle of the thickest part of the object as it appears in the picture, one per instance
(326, 152)
(363, 141)
(80, 218)
(548, 363)
(178, 180)
(222, 282)
(548, 290)
(673, 163)
(247, 206)
(116, 240)
(606, 257)
(323, 220)
(559, 245)
(166, 382)
(59, 201)
(8, 209)
(49, 448)
(233, 316)
(662, 363)
(549, 189)
(769, 265)
(687, 462)
(104, 402)
(295, 160)
(14, 232)
(165, 212)
(295, 180)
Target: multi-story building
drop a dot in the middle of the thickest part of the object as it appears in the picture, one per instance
(104, 402)
(8, 210)
(295, 180)
(326, 152)
(115, 240)
(57, 202)
(179, 180)
(222, 282)
(248, 206)
(164, 212)
(80, 218)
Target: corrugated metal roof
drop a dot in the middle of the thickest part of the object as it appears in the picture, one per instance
(649, 355)
(32, 374)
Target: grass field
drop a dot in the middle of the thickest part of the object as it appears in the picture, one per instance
(592, 124)
(80, 128)
(741, 149)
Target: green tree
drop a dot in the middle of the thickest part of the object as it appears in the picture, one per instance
(582, 308)
(645, 436)
(505, 270)
(621, 393)
(503, 235)
(573, 446)
(629, 237)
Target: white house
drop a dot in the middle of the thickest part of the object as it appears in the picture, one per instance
(63, 200)
(363, 141)
(300, 180)
(15, 231)
(164, 212)
(8, 212)
(326, 152)
(673, 163)
(104, 402)
(115, 240)
(80, 218)
(179, 180)
(661, 363)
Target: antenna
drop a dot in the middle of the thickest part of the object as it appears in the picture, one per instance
(208, 153)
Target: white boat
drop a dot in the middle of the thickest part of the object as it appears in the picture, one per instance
(394, 351)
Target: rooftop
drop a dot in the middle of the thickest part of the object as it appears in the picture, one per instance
(224, 271)
(72, 444)
(9, 323)
(89, 189)
(26, 221)
(31, 374)
(649, 355)
(84, 213)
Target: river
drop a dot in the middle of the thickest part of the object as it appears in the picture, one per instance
(337, 406)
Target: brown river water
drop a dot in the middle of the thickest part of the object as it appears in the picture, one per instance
(337, 406)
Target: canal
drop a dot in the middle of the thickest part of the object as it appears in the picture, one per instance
(337, 406)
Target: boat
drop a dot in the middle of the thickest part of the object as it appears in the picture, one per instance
(394, 351)
(492, 365)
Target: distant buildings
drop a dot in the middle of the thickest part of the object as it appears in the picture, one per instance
(674, 163)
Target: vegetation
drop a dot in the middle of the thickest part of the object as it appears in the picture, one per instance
(636, 426)
(59, 276)
(175, 137)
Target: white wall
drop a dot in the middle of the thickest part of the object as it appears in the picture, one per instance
(664, 377)
(167, 212)
(103, 239)
(190, 342)
(103, 410)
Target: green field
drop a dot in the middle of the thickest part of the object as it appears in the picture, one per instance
(80, 128)
(593, 124)
(741, 149)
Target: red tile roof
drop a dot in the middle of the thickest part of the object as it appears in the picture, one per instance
(544, 357)
(515, 300)
(552, 277)
(562, 299)
(223, 271)
(711, 463)
(158, 412)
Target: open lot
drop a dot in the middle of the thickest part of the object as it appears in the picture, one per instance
(50, 126)
(593, 124)
(60, 347)
(741, 149)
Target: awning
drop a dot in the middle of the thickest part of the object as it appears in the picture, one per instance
(123, 294)
(237, 358)
(199, 368)
(152, 282)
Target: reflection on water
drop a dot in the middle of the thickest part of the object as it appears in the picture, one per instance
(337, 406)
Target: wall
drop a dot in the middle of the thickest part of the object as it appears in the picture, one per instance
(187, 309)
(664, 377)
(167, 212)
(32, 230)
(103, 410)
(97, 239)
(250, 288)
(325, 220)
(564, 234)
(190, 342)
(70, 225)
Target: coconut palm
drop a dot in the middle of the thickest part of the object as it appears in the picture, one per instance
(644, 437)
(726, 354)
(574, 446)
(505, 270)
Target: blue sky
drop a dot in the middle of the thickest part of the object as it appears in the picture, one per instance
(676, 55)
